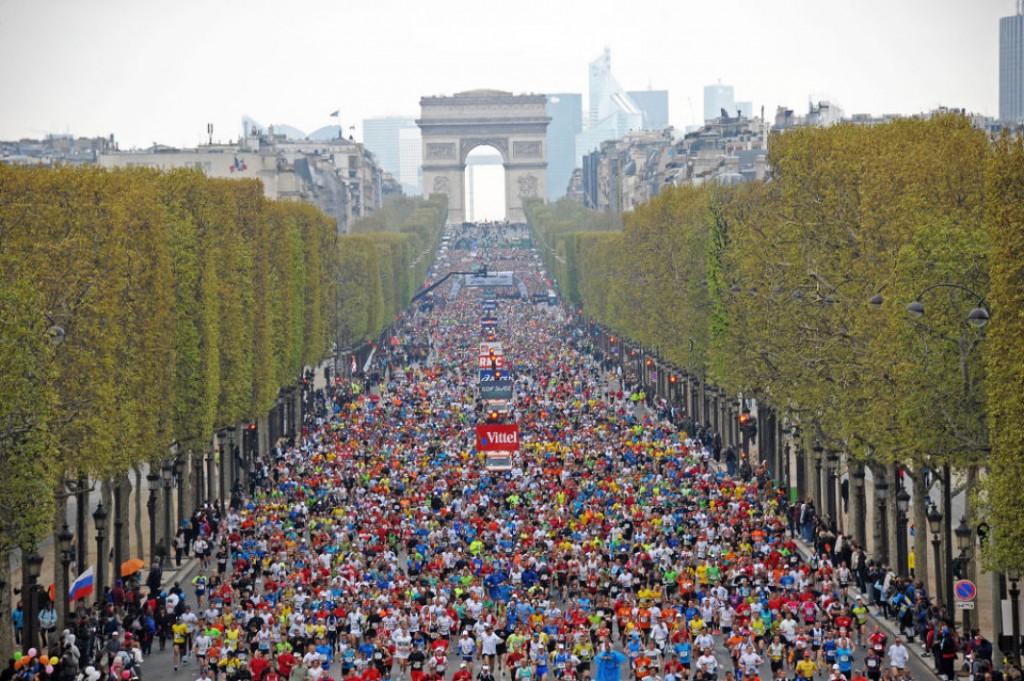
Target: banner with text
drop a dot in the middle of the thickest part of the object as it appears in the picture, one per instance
(491, 279)
(497, 437)
(495, 390)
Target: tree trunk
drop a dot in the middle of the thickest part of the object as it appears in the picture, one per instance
(137, 504)
(107, 498)
(922, 555)
(857, 511)
(892, 521)
(6, 607)
(880, 549)
(125, 485)
(60, 580)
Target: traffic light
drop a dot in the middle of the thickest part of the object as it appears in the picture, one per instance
(672, 379)
(649, 362)
(493, 416)
(748, 424)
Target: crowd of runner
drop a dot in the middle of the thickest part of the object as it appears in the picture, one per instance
(378, 546)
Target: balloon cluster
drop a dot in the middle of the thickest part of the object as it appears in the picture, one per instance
(34, 662)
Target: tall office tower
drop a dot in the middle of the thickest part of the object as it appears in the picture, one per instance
(716, 98)
(396, 143)
(612, 112)
(654, 105)
(566, 112)
(1011, 66)
(410, 160)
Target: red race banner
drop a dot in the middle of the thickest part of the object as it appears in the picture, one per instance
(497, 437)
(497, 362)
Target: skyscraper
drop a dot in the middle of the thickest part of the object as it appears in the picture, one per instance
(654, 105)
(612, 112)
(396, 143)
(566, 111)
(1011, 66)
(716, 98)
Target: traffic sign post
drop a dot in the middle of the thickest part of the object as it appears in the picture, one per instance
(965, 591)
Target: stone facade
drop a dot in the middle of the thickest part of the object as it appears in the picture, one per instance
(339, 176)
(514, 125)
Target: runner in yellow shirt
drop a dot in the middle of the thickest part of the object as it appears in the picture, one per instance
(806, 667)
(179, 630)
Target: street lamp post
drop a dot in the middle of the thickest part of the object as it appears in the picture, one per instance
(1013, 574)
(817, 449)
(902, 549)
(153, 480)
(198, 479)
(64, 538)
(965, 542)
(179, 463)
(935, 527)
(882, 518)
(211, 463)
(99, 517)
(832, 461)
(167, 478)
(33, 567)
(222, 452)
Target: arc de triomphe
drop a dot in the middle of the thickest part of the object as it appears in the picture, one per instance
(515, 125)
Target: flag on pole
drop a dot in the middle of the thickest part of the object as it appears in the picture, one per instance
(354, 364)
(82, 586)
(336, 113)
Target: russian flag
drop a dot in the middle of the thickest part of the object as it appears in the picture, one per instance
(82, 586)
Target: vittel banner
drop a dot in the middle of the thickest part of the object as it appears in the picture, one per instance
(497, 437)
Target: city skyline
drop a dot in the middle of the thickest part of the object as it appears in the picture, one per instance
(153, 73)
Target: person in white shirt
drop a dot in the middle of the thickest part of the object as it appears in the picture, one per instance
(749, 662)
(467, 647)
(704, 640)
(489, 647)
(708, 664)
(190, 619)
(898, 654)
(201, 647)
(403, 646)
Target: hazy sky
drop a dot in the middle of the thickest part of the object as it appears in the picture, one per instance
(157, 70)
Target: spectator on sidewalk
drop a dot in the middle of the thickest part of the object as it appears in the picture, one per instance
(160, 552)
(179, 546)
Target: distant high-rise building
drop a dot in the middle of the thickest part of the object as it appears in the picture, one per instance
(410, 161)
(1011, 66)
(654, 105)
(396, 143)
(717, 98)
(612, 112)
(566, 112)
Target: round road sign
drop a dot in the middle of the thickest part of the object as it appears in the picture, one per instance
(964, 590)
